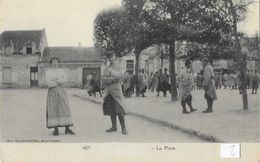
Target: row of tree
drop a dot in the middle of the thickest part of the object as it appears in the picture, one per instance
(139, 24)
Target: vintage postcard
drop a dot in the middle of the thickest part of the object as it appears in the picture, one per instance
(138, 80)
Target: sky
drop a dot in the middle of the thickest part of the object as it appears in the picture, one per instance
(68, 22)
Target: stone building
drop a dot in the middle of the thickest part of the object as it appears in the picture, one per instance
(149, 61)
(77, 62)
(20, 52)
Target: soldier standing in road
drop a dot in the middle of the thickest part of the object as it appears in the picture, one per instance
(209, 86)
(132, 83)
(88, 86)
(225, 80)
(186, 86)
(165, 82)
(126, 84)
(113, 104)
(198, 81)
(219, 80)
(143, 80)
(255, 82)
(159, 82)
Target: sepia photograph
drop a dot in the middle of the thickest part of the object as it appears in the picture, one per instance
(129, 71)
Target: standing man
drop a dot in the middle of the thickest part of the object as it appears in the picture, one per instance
(235, 80)
(126, 84)
(186, 86)
(132, 83)
(141, 83)
(151, 82)
(198, 81)
(219, 80)
(165, 82)
(88, 86)
(251, 76)
(225, 80)
(255, 82)
(209, 86)
(146, 82)
(159, 82)
(113, 104)
(247, 79)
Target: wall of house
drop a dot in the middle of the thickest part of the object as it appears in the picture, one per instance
(122, 61)
(154, 63)
(20, 70)
(74, 73)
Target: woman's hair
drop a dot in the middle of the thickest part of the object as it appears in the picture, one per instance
(54, 58)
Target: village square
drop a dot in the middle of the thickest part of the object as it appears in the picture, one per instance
(155, 74)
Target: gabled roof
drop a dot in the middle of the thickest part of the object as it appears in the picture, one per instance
(20, 37)
(71, 54)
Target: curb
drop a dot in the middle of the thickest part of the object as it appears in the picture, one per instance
(190, 132)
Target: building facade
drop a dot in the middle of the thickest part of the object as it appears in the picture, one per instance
(77, 62)
(149, 62)
(20, 52)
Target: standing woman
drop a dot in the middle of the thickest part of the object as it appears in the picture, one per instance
(113, 104)
(58, 109)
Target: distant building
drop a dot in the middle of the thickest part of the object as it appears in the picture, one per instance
(78, 63)
(149, 61)
(128, 62)
(20, 52)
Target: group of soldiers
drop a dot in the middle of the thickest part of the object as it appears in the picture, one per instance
(233, 81)
(160, 82)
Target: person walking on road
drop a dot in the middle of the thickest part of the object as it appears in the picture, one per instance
(255, 82)
(186, 86)
(126, 84)
(209, 86)
(113, 104)
(57, 109)
(166, 82)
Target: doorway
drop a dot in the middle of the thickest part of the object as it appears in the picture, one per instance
(34, 77)
(88, 71)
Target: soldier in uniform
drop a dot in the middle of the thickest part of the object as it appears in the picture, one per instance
(186, 86)
(209, 86)
(165, 82)
(159, 82)
(255, 82)
(113, 104)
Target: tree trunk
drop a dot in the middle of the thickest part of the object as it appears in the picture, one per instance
(241, 58)
(162, 63)
(174, 92)
(258, 53)
(137, 54)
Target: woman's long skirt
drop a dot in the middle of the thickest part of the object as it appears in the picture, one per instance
(57, 110)
(111, 106)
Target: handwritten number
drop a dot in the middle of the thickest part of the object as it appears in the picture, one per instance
(232, 151)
